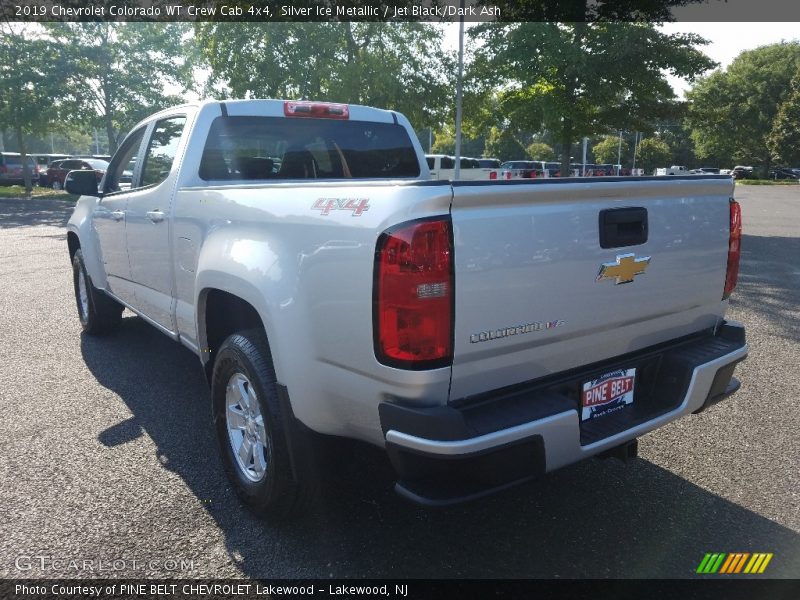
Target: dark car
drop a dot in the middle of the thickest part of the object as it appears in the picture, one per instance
(57, 172)
(784, 173)
(742, 173)
(11, 169)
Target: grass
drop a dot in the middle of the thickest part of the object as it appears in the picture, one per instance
(18, 191)
(767, 181)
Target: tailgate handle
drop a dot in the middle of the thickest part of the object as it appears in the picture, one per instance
(620, 227)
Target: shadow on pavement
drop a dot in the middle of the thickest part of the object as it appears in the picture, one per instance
(594, 519)
(769, 281)
(27, 213)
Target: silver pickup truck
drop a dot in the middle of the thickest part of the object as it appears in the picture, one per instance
(483, 333)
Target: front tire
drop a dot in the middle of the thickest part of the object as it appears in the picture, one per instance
(250, 427)
(97, 312)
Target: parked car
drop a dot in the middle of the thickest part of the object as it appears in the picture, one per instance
(44, 179)
(784, 173)
(442, 167)
(521, 169)
(59, 169)
(11, 169)
(741, 172)
(44, 161)
(673, 170)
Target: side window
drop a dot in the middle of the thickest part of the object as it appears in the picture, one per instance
(162, 150)
(431, 161)
(448, 162)
(119, 176)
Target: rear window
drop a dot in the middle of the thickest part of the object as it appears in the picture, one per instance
(488, 163)
(255, 148)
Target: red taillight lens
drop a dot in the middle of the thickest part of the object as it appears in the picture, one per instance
(493, 175)
(319, 110)
(734, 249)
(413, 308)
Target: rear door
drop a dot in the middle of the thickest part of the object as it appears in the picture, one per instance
(538, 293)
(148, 224)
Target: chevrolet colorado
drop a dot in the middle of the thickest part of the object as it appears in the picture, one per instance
(482, 332)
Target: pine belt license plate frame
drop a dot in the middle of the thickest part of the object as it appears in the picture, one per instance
(608, 393)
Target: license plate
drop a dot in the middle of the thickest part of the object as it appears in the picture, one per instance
(607, 394)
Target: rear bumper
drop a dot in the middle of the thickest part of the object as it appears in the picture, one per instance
(479, 445)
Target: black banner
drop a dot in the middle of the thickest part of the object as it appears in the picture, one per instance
(401, 10)
(573, 589)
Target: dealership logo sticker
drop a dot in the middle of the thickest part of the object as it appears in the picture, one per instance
(607, 394)
(732, 563)
(358, 206)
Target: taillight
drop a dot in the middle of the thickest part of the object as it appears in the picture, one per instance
(319, 110)
(493, 175)
(508, 174)
(734, 249)
(413, 303)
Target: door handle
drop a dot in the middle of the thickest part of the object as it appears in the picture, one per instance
(156, 216)
(118, 215)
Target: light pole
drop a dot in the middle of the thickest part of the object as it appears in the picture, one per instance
(459, 91)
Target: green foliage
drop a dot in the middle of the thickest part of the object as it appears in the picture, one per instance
(606, 151)
(681, 147)
(114, 74)
(582, 79)
(397, 66)
(26, 88)
(540, 151)
(651, 154)
(732, 112)
(502, 144)
(784, 137)
(444, 142)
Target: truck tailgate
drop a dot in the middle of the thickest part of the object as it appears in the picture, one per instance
(529, 299)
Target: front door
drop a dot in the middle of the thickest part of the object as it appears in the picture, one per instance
(108, 220)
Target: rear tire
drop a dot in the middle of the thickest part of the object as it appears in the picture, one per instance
(56, 185)
(251, 428)
(97, 312)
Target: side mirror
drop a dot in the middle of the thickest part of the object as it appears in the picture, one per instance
(81, 183)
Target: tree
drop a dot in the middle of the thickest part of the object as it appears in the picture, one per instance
(784, 138)
(397, 66)
(607, 150)
(27, 90)
(540, 151)
(652, 153)
(732, 112)
(115, 74)
(583, 79)
(501, 143)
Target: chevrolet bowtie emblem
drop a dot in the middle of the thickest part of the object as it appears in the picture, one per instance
(624, 269)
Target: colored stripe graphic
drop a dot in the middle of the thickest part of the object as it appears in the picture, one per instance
(730, 563)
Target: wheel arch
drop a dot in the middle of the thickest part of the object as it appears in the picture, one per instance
(225, 307)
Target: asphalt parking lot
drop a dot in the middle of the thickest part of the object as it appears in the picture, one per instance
(107, 453)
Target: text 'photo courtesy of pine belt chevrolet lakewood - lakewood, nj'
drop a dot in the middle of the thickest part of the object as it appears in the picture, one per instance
(482, 332)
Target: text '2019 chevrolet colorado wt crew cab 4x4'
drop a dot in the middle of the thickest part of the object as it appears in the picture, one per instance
(483, 333)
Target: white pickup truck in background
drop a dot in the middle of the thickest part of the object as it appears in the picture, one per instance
(482, 332)
(673, 170)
